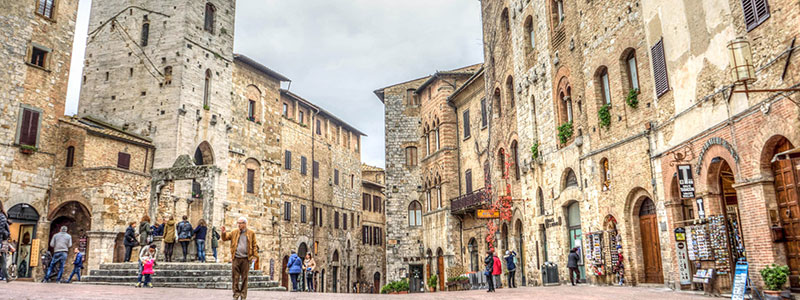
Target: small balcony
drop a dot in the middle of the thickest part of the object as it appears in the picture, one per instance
(469, 202)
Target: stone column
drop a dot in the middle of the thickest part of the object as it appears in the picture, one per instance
(101, 248)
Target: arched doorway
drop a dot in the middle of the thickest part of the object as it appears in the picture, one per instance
(440, 268)
(472, 246)
(78, 221)
(651, 248)
(574, 231)
(302, 250)
(786, 188)
(22, 230)
(335, 272)
(429, 264)
(504, 238)
(520, 252)
(284, 274)
(376, 282)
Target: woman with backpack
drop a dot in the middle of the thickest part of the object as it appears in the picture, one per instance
(184, 230)
(145, 231)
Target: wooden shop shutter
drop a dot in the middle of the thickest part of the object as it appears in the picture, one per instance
(755, 12)
(659, 68)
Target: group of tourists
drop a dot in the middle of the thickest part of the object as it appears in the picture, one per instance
(182, 233)
(296, 266)
(494, 268)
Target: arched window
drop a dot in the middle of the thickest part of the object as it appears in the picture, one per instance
(510, 90)
(439, 191)
(145, 32)
(207, 90)
(472, 246)
(252, 175)
(631, 69)
(515, 157)
(427, 138)
(570, 179)
(498, 105)
(167, 75)
(203, 155)
(647, 208)
(605, 174)
(505, 20)
(604, 90)
(530, 37)
(414, 214)
(428, 196)
(211, 12)
(70, 156)
(565, 101)
(501, 159)
(411, 156)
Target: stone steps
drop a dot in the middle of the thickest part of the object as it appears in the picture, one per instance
(178, 275)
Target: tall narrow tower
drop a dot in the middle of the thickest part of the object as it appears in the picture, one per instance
(163, 69)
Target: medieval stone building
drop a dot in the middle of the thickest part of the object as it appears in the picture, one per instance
(371, 269)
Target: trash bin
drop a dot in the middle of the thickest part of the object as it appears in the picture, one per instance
(549, 273)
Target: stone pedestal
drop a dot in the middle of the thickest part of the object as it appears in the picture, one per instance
(177, 252)
(101, 248)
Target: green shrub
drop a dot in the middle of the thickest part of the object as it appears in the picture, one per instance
(565, 132)
(775, 276)
(604, 115)
(395, 286)
(633, 98)
(433, 280)
(535, 151)
(29, 148)
(457, 278)
(206, 107)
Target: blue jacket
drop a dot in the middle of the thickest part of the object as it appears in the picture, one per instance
(78, 260)
(184, 230)
(295, 264)
(200, 232)
(510, 265)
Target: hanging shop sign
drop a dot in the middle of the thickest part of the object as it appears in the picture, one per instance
(34, 253)
(550, 222)
(739, 281)
(701, 210)
(686, 181)
(488, 214)
(683, 263)
(680, 234)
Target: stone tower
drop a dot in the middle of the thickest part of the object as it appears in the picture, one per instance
(163, 69)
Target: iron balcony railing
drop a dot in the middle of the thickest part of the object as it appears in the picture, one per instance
(469, 201)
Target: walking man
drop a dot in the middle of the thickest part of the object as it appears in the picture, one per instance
(512, 268)
(489, 261)
(572, 264)
(243, 251)
(60, 242)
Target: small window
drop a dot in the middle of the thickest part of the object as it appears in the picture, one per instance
(484, 121)
(530, 34)
(363, 235)
(414, 214)
(606, 174)
(344, 221)
(315, 169)
(303, 214)
(70, 156)
(755, 12)
(211, 12)
(468, 181)
(303, 167)
(251, 110)
(411, 156)
(46, 8)
(167, 75)
(301, 117)
(633, 73)
(207, 89)
(336, 177)
(336, 220)
(605, 88)
(145, 33)
(376, 204)
(28, 129)
(510, 90)
(39, 56)
(288, 160)
(123, 160)
(286, 110)
(412, 99)
(560, 11)
(287, 211)
(319, 127)
(319, 216)
(466, 124)
(251, 176)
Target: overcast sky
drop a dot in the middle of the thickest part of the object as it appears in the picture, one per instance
(337, 52)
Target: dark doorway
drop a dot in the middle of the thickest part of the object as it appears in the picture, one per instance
(376, 283)
(284, 274)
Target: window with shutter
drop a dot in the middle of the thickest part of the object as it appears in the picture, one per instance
(468, 181)
(123, 160)
(336, 220)
(70, 156)
(287, 211)
(29, 127)
(302, 213)
(376, 205)
(251, 175)
(288, 160)
(755, 12)
(303, 168)
(466, 124)
(659, 68)
(363, 235)
(336, 177)
(45, 8)
(344, 221)
(484, 122)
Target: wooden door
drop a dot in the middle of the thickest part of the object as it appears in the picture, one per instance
(284, 274)
(440, 270)
(651, 246)
(786, 189)
(377, 283)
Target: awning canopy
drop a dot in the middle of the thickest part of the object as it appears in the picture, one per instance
(788, 154)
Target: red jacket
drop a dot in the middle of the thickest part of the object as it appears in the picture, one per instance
(497, 267)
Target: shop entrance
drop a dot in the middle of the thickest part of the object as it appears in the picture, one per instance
(575, 234)
(78, 221)
(23, 219)
(651, 248)
(786, 189)
(415, 282)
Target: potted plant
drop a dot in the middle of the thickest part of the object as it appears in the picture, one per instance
(28, 149)
(565, 132)
(774, 278)
(432, 282)
(402, 287)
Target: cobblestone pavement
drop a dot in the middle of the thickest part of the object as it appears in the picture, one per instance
(27, 290)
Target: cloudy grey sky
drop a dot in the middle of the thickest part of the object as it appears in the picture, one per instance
(337, 52)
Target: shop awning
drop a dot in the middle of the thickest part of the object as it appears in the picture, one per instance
(788, 154)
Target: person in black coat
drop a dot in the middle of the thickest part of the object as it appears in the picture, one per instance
(200, 233)
(572, 264)
(129, 241)
(489, 261)
(5, 233)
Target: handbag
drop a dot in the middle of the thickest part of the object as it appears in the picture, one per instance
(5, 247)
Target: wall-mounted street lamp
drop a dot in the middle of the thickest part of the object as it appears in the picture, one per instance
(742, 69)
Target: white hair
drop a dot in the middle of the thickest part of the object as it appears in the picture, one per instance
(243, 219)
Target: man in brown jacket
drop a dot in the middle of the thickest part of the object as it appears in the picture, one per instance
(243, 251)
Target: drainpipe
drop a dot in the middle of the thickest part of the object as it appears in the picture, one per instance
(314, 224)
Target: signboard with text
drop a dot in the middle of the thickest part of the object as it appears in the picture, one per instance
(488, 214)
(739, 281)
(683, 263)
(686, 181)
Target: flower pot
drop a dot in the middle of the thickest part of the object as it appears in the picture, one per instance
(773, 293)
(402, 292)
(26, 151)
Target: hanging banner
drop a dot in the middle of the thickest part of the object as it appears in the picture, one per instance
(683, 263)
(701, 210)
(739, 281)
(686, 181)
(34, 253)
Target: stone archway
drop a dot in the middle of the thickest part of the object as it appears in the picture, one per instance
(23, 230)
(203, 180)
(786, 186)
(78, 220)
